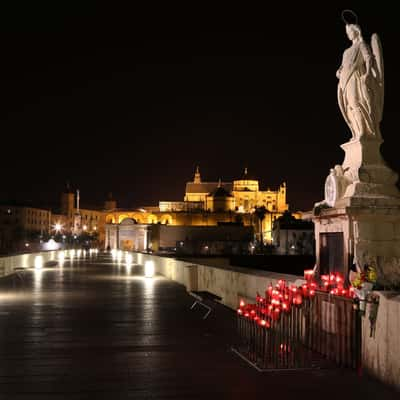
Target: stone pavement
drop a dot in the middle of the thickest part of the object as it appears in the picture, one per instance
(94, 329)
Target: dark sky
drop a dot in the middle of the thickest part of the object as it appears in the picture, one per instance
(130, 100)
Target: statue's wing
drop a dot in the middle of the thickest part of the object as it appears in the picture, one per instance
(376, 47)
(378, 54)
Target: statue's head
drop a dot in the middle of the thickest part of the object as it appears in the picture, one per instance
(353, 31)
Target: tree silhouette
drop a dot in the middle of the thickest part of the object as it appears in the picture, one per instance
(260, 213)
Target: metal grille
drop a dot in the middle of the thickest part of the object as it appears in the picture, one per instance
(335, 329)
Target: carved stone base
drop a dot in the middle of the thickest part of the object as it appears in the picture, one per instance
(371, 235)
(365, 213)
(366, 174)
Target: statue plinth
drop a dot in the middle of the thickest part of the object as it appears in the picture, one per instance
(367, 179)
(363, 210)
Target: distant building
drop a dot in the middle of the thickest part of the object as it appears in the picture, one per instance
(73, 219)
(244, 192)
(205, 204)
(210, 204)
(20, 225)
(293, 236)
(24, 227)
(182, 240)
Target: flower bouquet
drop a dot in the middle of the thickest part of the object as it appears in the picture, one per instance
(365, 279)
(363, 283)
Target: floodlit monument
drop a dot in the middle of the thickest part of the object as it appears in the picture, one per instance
(359, 219)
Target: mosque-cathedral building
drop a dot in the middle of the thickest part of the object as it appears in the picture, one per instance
(205, 204)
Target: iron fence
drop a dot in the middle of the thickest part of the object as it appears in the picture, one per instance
(323, 329)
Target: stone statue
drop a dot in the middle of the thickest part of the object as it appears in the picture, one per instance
(362, 200)
(361, 84)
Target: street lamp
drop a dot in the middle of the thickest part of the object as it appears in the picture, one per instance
(58, 227)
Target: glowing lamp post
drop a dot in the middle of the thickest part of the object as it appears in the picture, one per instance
(149, 269)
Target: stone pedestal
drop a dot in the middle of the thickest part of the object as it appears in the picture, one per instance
(366, 175)
(371, 235)
(364, 212)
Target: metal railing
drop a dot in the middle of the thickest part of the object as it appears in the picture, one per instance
(322, 330)
(334, 326)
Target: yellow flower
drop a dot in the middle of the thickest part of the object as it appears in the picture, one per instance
(357, 282)
(371, 274)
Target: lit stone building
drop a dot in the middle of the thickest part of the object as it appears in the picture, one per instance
(242, 195)
(205, 204)
(74, 219)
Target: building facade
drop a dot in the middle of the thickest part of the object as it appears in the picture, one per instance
(209, 204)
(242, 195)
(75, 220)
(293, 236)
(180, 239)
(205, 203)
(20, 224)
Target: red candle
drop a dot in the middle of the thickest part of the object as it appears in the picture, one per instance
(308, 274)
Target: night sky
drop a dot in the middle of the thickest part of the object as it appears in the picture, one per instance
(130, 100)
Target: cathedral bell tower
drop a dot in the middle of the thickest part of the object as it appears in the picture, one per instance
(197, 177)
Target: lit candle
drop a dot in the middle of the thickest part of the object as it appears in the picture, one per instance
(308, 274)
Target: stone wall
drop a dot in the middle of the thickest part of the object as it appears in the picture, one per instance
(381, 350)
(230, 283)
(10, 263)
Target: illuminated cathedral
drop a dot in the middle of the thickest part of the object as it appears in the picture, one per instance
(205, 203)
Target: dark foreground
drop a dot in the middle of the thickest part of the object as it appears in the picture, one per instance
(96, 330)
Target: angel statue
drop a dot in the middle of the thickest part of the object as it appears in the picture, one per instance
(361, 84)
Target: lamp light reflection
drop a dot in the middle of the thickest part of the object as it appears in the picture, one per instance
(128, 259)
(38, 262)
(149, 269)
(61, 258)
(37, 280)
